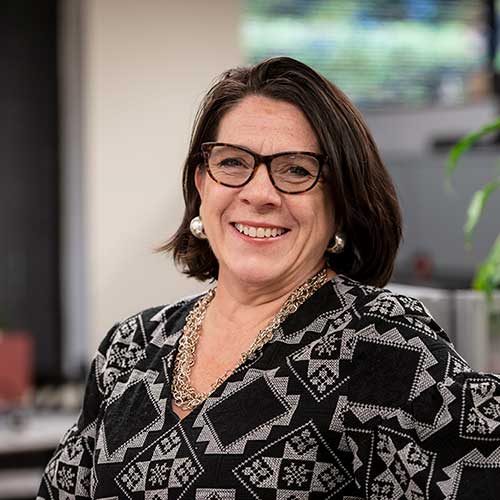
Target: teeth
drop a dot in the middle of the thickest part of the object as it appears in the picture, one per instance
(259, 232)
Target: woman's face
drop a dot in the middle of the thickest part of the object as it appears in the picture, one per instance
(266, 126)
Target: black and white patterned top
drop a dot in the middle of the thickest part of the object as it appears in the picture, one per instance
(360, 395)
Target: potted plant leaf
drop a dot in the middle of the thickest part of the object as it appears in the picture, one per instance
(487, 278)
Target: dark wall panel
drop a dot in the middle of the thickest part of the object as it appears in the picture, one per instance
(29, 176)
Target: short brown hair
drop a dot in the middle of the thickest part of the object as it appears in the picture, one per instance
(366, 208)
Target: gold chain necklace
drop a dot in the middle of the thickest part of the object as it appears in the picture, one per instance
(184, 394)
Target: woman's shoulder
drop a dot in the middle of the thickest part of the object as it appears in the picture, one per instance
(410, 399)
(129, 341)
(391, 313)
(154, 324)
(399, 357)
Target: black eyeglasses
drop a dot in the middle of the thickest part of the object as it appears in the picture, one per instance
(290, 172)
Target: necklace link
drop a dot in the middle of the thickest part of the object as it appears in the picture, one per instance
(184, 394)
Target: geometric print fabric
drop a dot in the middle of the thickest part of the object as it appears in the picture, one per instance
(273, 408)
(405, 468)
(480, 417)
(299, 465)
(166, 468)
(358, 395)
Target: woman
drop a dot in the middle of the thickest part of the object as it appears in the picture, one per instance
(296, 376)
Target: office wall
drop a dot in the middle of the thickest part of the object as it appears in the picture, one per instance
(146, 65)
(435, 216)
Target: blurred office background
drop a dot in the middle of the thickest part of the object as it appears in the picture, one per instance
(98, 97)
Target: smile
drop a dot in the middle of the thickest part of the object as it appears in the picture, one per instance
(260, 232)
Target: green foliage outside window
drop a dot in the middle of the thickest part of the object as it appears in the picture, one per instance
(488, 275)
(407, 53)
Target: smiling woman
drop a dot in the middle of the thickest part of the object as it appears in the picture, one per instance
(296, 376)
(289, 105)
(304, 220)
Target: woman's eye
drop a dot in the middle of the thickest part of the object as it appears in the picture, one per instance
(297, 170)
(232, 162)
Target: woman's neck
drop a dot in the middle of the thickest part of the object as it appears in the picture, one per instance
(240, 305)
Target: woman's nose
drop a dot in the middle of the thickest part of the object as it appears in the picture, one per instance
(260, 190)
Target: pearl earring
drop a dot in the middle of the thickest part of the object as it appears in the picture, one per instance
(196, 228)
(338, 245)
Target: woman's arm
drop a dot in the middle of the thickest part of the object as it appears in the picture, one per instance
(69, 472)
(419, 422)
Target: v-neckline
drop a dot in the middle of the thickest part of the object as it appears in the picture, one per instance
(175, 349)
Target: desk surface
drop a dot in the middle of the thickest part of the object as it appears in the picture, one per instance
(20, 483)
(37, 431)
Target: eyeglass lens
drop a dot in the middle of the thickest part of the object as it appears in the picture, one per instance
(233, 166)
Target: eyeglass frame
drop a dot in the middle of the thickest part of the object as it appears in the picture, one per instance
(207, 147)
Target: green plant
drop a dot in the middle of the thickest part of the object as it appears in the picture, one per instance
(487, 277)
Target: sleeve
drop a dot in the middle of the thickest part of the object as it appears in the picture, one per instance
(69, 473)
(420, 424)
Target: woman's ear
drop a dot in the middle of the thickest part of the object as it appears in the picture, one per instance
(199, 180)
